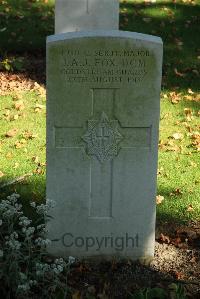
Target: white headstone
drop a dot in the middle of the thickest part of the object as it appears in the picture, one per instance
(79, 15)
(102, 142)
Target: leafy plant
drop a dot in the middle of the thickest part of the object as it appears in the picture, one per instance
(12, 64)
(176, 291)
(148, 293)
(25, 266)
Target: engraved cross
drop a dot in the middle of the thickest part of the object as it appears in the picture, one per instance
(103, 135)
(103, 139)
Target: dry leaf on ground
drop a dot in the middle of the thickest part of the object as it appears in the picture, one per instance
(190, 208)
(159, 199)
(11, 133)
(164, 238)
(19, 105)
(177, 136)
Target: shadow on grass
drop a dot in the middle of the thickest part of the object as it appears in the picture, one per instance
(33, 188)
(178, 26)
(24, 26)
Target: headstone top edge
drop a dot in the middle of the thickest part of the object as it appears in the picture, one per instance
(104, 33)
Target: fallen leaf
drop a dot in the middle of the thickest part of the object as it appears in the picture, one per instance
(29, 135)
(19, 105)
(160, 170)
(178, 275)
(178, 136)
(176, 192)
(195, 72)
(188, 97)
(193, 164)
(9, 155)
(7, 112)
(193, 260)
(16, 165)
(39, 170)
(179, 74)
(164, 238)
(147, 20)
(190, 91)
(11, 133)
(35, 159)
(159, 199)
(20, 143)
(39, 108)
(190, 208)
(175, 97)
(188, 111)
(14, 117)
(176, 241)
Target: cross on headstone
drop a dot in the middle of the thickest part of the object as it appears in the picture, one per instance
(113, 137)
(103, 135)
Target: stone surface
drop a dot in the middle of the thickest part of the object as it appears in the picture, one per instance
(78, 15)
(102, 134)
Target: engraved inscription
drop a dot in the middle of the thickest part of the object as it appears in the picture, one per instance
(105, 66)
(102, 138)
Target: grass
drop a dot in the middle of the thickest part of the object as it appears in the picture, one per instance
(24, 25)
(178, 174)
(24, 153)
(28, 22)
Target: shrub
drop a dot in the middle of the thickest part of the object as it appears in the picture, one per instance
(26, 270)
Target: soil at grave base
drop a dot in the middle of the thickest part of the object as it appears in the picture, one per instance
(177, 260)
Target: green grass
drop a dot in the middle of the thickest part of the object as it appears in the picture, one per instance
(23, 153)
(179, 172)
(177, 24)
(27, 24)
(24, 25)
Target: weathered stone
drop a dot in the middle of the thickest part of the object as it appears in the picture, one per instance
(102, 141)
(78, 15)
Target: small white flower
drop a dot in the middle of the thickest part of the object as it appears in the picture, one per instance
(23, 287)
(42, 268)
(60, 268)
(42, 242)
(13, 197)
(71, 260)
(33, 204)
(41, 226)
(13, 244)
(50, 203)
(29, 231)
(24, 221)
(14, 235)
(44, 208)
(33, 282)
